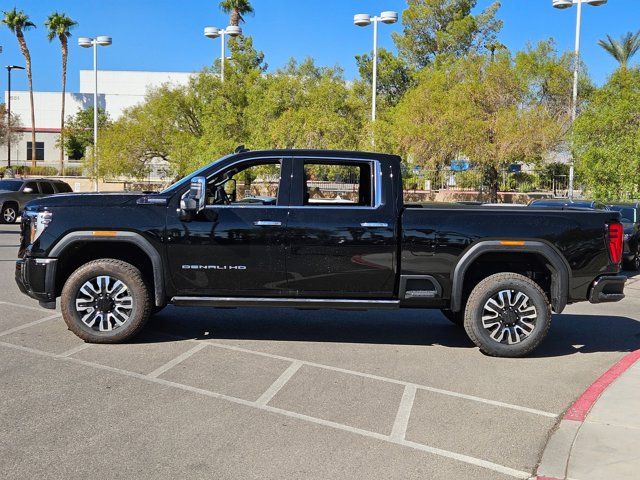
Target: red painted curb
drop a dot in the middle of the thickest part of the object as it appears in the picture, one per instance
(578, 411)
(547, 478)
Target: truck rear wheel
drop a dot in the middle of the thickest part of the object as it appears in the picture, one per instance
(106, 301)
(507, 315)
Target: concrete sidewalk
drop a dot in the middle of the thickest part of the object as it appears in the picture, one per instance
(599, 437)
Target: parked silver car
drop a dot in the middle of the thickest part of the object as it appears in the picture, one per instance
(15, 192)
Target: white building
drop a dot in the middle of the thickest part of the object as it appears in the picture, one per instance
(117, 90)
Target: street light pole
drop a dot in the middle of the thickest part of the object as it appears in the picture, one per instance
(95, 115)
(562, 4)
(214, 32)
(86, 42)
(9, 68)
(364, 20)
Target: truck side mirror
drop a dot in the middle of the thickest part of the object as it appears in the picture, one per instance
(193, 201)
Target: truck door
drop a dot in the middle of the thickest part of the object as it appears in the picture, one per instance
(341, 231)
(236, 245)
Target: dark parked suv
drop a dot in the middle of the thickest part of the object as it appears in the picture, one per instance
(15, 192)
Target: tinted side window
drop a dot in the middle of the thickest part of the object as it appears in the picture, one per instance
(33, 186)
(254, 183)
(62, 187)
(335, 184)
(46, 188)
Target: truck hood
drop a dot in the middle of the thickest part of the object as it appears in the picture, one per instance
(86, 200)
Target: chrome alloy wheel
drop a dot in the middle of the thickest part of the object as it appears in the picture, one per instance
(9, 215)
(104, 303)
(509, 317)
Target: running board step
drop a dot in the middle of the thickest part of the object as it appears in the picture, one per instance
(284, 302)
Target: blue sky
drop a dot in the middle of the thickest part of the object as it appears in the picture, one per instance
(167, 34)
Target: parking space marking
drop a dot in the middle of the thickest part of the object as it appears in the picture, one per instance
(77, 349)
(279, 383)
(338, 426)
(27, 325)
(29, 307)
(179, 359)
(373, 377)
(399, 430)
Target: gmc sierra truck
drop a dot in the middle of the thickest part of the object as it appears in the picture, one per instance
(325, 229)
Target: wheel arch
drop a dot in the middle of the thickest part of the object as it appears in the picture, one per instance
(560, 274)
(125, 238)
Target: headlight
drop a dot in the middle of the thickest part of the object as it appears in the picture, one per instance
(627, 236)
(38, 224)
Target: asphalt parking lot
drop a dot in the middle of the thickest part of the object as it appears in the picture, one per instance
(274, 393)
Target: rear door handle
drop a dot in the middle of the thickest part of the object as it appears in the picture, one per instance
(267, 223)
(374, 225)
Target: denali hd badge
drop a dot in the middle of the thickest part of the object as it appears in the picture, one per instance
(214, 267)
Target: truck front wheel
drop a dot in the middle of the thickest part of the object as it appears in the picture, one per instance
(105, 301)
(507, 315)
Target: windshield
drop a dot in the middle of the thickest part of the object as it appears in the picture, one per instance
(188, 178)
(628, 214)
(10, 185)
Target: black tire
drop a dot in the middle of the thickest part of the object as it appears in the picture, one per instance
(508, 324)
(457, 318)
(137, 309)
(9, 213)
(155, 309)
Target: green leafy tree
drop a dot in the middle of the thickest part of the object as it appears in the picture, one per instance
(59, 26)
(487, 108)
(395, 76)
(606, 138)
(305, 106)
(434, 27)
(78, 131)
(236, 9)
(8, 127)
(18, 22)
(624, 49)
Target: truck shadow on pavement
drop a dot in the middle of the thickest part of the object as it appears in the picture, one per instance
(569, 333)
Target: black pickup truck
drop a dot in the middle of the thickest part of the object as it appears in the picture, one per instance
(325, 229)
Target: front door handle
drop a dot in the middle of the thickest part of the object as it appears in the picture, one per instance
(374, 225)
(267, 223)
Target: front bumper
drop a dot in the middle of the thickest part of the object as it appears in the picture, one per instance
(36, 277)
(608, 288)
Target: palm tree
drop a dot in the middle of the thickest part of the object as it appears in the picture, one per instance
(18, 22)
(622, 50)
(236, 9)
(59, 25)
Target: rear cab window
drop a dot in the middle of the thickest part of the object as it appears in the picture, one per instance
(336, 184)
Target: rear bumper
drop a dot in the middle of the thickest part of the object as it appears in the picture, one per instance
(608, 288)
(36, 277)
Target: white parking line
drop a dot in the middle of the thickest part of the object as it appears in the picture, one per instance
(338, 426)
(29, 307)
(373, 377)
(279, 383)
(399, 431)
(74, 350)
(179, 359)
(27, 325)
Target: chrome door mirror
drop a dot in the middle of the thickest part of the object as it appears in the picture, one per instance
(194, 200)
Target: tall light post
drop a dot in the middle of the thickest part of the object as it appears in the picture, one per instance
(364, 20)
(86, 42)
(214, 32)
(9, 68)
(563, 4)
